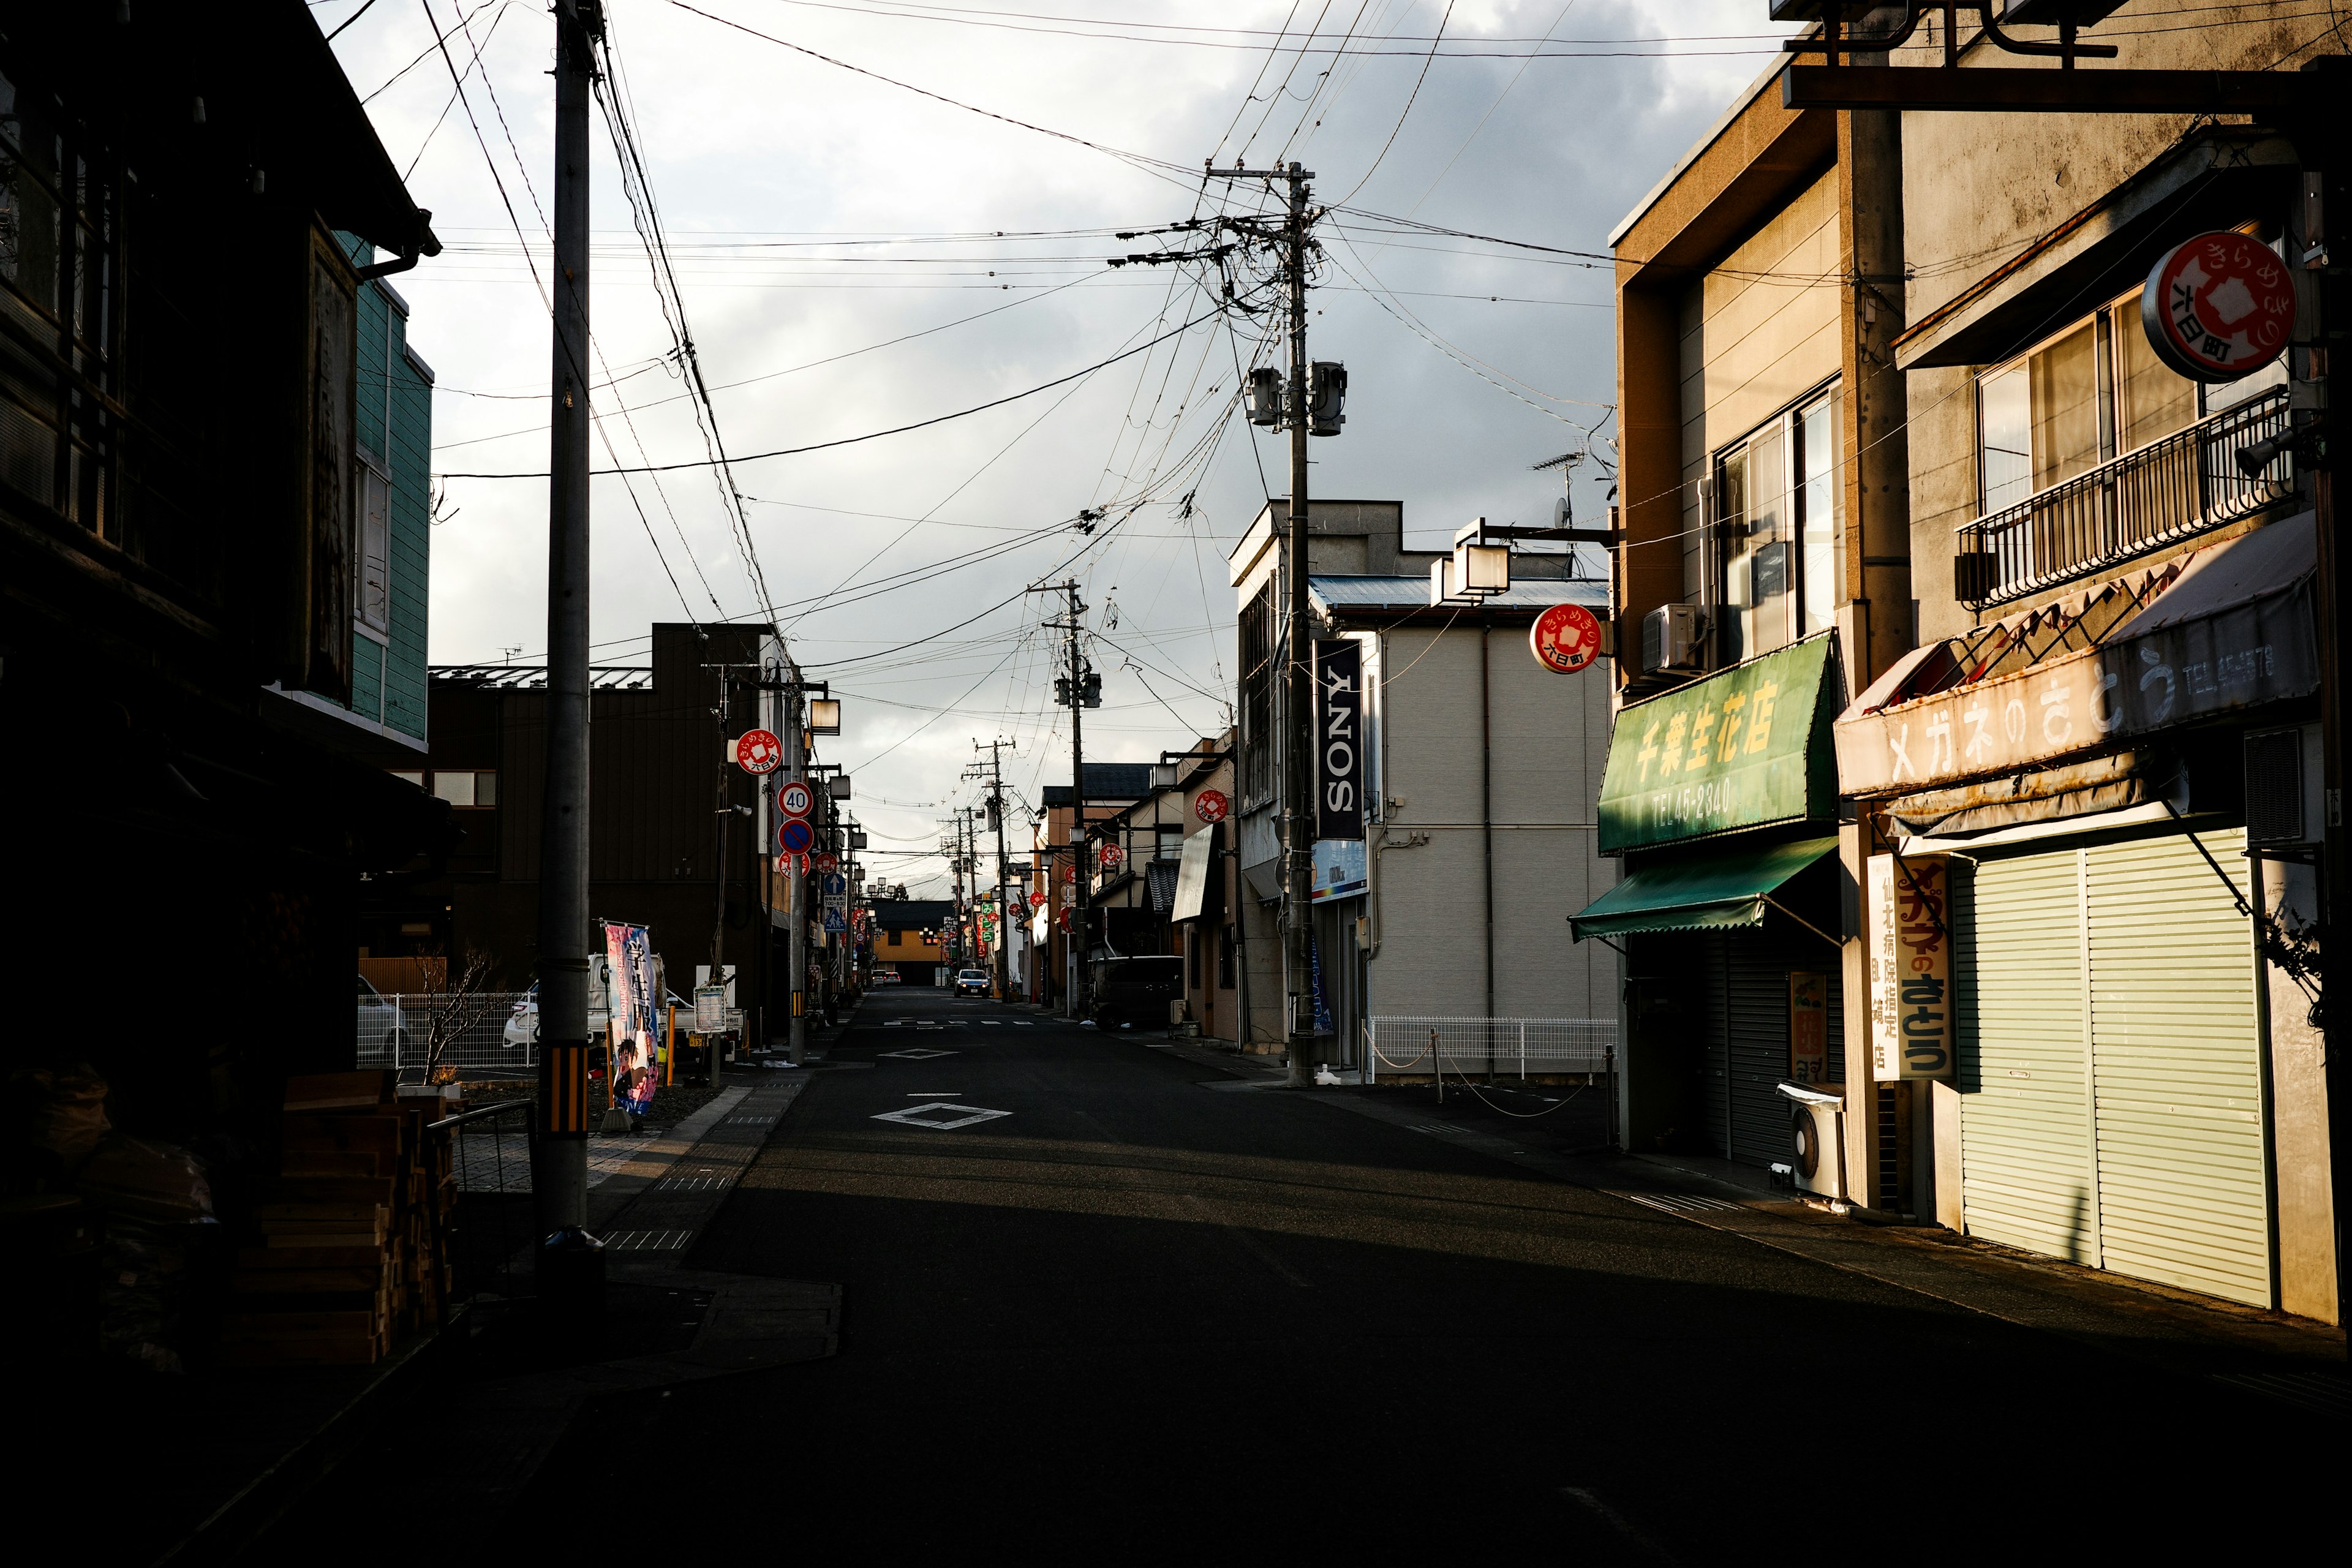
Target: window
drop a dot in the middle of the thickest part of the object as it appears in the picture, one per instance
(1224, 958)
(1257, 696)
(2093, 393)
(1779, 501)
(466, 787)
(374, 598)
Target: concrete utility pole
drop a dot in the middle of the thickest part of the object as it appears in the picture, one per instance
(559, 1158)
(1004, 964)
(1077, 693)
(1298, 788)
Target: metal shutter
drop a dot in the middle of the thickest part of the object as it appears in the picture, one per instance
(1716, 1083)
(2028, 1166)
(2176, 1043)
(1756, 1027)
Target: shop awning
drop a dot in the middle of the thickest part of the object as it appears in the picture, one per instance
(1704, 893)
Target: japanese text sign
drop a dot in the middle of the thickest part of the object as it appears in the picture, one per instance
(1910, 960)
(1741, 749)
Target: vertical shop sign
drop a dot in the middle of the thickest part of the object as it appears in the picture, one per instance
(1809, 1028)
(1338, 739)
(1910, 967)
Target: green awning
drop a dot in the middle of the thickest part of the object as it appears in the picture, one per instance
(1702, 893)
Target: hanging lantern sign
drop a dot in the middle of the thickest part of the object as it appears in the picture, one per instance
(2218, 306)
(1566, 639)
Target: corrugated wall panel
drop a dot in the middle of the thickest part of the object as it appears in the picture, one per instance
(2175, 1055)
(2025, 1112)
(1715, 977)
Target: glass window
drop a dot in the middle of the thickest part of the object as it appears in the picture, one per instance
(1780, 499)
(417, 779)
(2090, 393)
(375, 544)
(486, 789)
(457, 789)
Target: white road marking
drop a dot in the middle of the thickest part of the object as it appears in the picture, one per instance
(932, 1114)
(918, 1054)
(936, 1094)
(1680, 1203)
(648, 1240)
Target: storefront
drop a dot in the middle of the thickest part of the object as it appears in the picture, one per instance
(1721, 797)
(2123, 788)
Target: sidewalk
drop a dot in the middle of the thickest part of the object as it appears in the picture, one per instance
(2266, 1354)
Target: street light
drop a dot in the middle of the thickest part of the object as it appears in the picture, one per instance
(824, 716)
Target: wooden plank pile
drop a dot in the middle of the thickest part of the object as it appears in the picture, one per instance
(352, 1247)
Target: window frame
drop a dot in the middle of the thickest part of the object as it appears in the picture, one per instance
(1785, 428)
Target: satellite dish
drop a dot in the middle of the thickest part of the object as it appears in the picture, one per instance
(1561, 517)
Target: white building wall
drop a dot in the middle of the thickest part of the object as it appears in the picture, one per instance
(1549, 737)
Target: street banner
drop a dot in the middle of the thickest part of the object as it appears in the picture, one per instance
(1338, 739)
(629, 964)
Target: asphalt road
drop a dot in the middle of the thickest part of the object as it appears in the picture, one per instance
(1123, 1313)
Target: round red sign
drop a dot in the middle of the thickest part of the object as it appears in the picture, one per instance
(1112, 855)
(1566, 639)
(794, 799)
(2218, 306)
(1211, 805)
(1063, 920)
(758, 751)
(828, 862)
(795, 836)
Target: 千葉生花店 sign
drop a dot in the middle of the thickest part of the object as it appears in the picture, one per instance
(1735, 750)
(1910, 963)
(1338, 739)
(2218, 306)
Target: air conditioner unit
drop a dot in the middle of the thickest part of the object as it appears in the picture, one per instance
(1671, 638)
(1817, 1137)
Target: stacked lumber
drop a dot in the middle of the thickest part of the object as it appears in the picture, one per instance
(352, 1246)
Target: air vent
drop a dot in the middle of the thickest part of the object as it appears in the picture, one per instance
(2274, 787)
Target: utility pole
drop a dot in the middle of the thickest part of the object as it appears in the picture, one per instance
(560, 1155)
(1078, 690)
(1004, 964)
(795, 882)
(1301, 403)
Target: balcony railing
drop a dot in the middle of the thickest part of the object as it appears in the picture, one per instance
(2185, 484)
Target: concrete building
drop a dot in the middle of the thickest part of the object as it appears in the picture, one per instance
(1482, 773)
(2038, 882)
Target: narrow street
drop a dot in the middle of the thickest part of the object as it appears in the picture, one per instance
(1115, 1303)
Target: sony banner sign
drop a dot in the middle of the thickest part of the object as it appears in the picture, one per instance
(1338, 739)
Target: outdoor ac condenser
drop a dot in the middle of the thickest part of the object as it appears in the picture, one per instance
(1817, 1137)
(1670, 638)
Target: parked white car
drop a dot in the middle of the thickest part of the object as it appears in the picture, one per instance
(379, 1022)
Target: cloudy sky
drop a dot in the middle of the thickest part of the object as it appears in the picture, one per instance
(855, 255)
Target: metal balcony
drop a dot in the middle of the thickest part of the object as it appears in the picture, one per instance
(2184, 484)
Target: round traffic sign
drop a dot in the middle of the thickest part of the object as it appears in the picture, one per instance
(1063, 920)
(1069, 873)
(828, 861)
(794, 799)
(758, 751)
(1566, 639)
(1211, 805)
(1112, 855)
(2217, 306)
(795, 836)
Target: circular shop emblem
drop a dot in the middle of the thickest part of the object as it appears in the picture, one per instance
(1112, 855)
(793, 799)
(758, 751)
(2218, 306)
(1566, 639)
(1212, 806)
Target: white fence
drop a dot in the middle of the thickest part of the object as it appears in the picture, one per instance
(1515, 1048)
(396, 1032)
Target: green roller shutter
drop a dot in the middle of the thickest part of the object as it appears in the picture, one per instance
(2110, 1077)
(2028, 1166)
(2176, 1042)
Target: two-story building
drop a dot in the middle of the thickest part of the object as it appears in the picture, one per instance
(909, 935)
(2037, 889)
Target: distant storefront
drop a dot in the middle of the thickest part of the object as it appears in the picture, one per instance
(1721, 797)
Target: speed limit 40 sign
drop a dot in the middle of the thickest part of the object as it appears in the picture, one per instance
(794, 799)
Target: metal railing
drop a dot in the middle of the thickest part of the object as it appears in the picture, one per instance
(490, 1161)
(2180, 485)
(1488, 1047)
(396, 1032)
